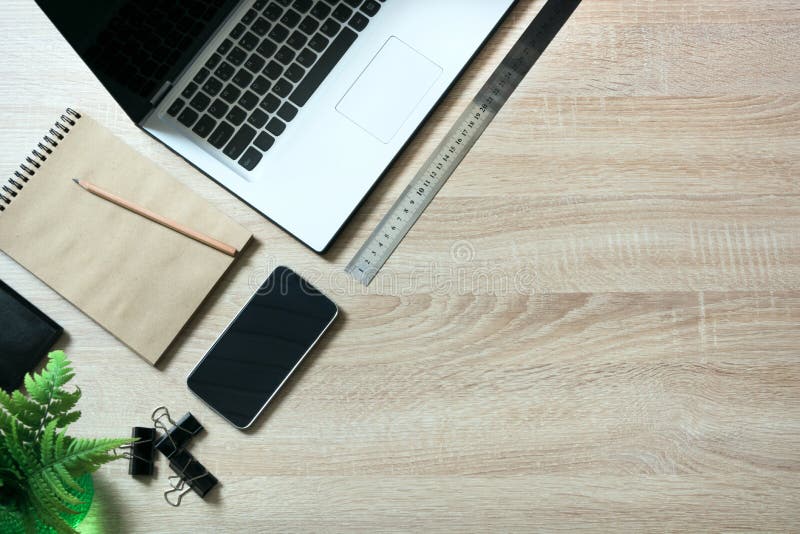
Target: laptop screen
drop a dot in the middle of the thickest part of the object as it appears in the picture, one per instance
(135, 46)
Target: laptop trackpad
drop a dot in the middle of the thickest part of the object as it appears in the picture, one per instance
(389, 89)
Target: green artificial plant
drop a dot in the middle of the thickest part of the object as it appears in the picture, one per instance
(39, 462)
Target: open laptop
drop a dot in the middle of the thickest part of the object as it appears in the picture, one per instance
(295, 106)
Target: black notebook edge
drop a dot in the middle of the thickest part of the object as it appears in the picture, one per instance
(46, 343)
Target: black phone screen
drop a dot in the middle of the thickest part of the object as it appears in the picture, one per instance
(261, 347)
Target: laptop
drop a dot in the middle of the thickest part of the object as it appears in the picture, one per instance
(295, 106)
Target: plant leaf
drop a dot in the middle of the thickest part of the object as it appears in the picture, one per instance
(7, 464)
(5, 414)
(42, 496)
(39, 462)
(67, 419)
(46, 506)
(10, 519)
(67, 478)
(23, 457)
(26, 413)
(51, 381)
(87, 455)
(59, 489)
(57, 476)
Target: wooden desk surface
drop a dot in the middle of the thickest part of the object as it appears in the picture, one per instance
(606, 297)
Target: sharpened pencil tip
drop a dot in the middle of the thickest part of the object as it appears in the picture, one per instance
(76, 181)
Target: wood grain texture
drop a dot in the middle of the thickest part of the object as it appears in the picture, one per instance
(595, 326)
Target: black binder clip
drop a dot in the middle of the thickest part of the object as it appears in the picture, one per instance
(178, 435)
(190, 475)
(141, 456)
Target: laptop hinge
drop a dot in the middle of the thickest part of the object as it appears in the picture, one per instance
(159, 96)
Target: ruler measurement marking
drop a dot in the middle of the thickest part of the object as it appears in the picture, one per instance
(458, 142)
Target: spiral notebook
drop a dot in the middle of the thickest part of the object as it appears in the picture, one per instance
(139, 280)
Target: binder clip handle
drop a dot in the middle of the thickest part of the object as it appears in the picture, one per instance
(176, 488)
(178, 434)
(191, 475)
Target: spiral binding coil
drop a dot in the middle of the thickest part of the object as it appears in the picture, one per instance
(15, 184)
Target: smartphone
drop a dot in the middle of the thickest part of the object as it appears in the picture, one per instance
(262, 347)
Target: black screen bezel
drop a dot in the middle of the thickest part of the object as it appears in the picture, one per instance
(136, 107)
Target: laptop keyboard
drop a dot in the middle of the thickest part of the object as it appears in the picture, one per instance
(269, 66)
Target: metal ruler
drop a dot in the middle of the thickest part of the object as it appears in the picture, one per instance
(460, 139)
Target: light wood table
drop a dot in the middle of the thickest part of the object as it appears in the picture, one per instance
(596, 325)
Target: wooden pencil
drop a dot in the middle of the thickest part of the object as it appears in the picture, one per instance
(146, 213)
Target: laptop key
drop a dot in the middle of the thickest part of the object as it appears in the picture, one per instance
(353, 3)
(297, 40)
(175, 107)
(273, 11)
(224, 71)
(279, 33)
(261, 26)
(276, 127)
(309, 24)
(330, 28)
(249, 41)
(248, 100)
(291, 18)
(200, 102)
(225, 47)
(236, 116)
(237, 31)
(342, 13)
(270, 103)
(264, 141)
(189, 90)
(250, 159)
(243, 78)
(295, 73)
(306, 58)
(213, 61)
(221, 135)
(255, 63)
(319, 42)
(261, 85)
(371, 7)
(287, 112)
(273, 70)
(201, 75)
(258, 119)
(359, 22)
(250, 16)
(285, 55)
(218, 108)
(282, 88)
(239, 142)
(237, 56)
(321, 10)
(213, 86)
(187, 117)
(204, 126)
(302, 5)
(230, 94)
(267, 48)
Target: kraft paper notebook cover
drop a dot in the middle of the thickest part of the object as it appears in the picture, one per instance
(139, 280)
